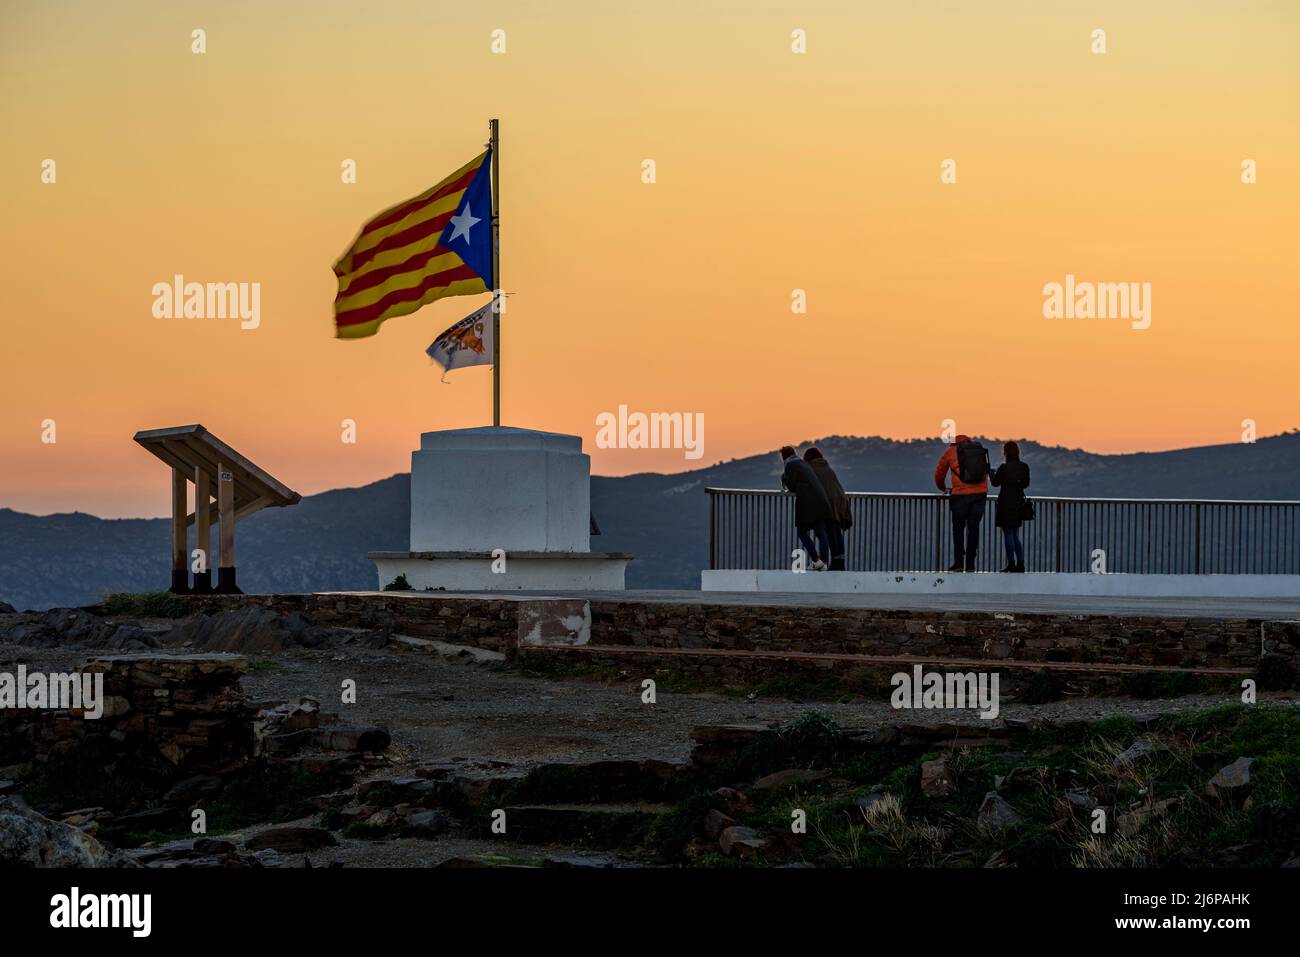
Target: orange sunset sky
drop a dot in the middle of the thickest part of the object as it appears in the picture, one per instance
(775, 171)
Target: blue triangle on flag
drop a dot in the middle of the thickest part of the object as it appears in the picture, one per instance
(469, 233)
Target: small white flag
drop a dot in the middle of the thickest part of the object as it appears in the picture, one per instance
(467, 343)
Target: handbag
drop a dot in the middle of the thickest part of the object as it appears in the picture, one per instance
(1027, 513)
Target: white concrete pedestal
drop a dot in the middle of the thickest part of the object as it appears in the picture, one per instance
(501, 509)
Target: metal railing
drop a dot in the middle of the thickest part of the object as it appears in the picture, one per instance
(902, 531)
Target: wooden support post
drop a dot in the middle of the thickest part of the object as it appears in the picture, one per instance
(226, 516)
(193, 454)
(180, 571)
(203, 528)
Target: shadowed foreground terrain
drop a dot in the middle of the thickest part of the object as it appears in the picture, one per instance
(445, 745)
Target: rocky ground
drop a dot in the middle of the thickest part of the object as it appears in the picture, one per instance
(588, 773)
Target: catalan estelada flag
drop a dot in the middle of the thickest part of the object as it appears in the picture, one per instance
(436, 245)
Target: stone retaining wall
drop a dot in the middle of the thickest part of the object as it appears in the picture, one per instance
(494, 623)
(1111, 639)
(485, 623)
(181, 714)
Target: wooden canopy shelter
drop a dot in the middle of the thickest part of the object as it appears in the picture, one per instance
(218, 472)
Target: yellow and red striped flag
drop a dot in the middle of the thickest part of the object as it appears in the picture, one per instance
(435, 245)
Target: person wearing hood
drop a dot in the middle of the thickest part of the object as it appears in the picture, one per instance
(841, 514)
(968, 463)
(812, 509)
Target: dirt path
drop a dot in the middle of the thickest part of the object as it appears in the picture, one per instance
(439, 710)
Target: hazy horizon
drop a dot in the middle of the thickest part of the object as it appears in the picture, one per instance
(161, 492)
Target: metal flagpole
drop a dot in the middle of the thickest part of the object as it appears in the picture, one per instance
(495, 145)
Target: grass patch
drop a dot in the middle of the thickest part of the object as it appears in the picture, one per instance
(1275, 673)
(569, 666)
(156, 604)
(1041, 687)
(811, 740)
(1169, 820)
(1168, 684)
(577, 784)
(76, 778)
(270, 794)
(800, 687)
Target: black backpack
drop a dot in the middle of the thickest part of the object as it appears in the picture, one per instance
(972, 462)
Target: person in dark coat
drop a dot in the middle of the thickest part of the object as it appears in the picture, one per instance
(841, 515)
(812, 507)
(1011, 479)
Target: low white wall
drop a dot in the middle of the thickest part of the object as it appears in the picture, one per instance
(522, 574)
(992, 583)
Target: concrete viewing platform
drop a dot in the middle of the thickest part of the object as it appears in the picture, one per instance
(979, 585)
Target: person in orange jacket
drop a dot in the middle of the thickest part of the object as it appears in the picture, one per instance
(968, 463)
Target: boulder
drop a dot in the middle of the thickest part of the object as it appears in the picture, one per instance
(384, 818)
(937, 779)
(74, 626)
(30, 839)
(291, 839)
(426, 823)
(1080, 799)
(741, 842)
(252, 628)
(737, 802)
(715, 822)
(302, 715)
(1233, 783)
(65, 627)
(995, 814)
(129, 638)
(408, 789)
(870, 800)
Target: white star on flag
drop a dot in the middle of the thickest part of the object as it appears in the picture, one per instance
(463, 223)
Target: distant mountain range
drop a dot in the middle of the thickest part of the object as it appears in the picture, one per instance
(321, 543)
